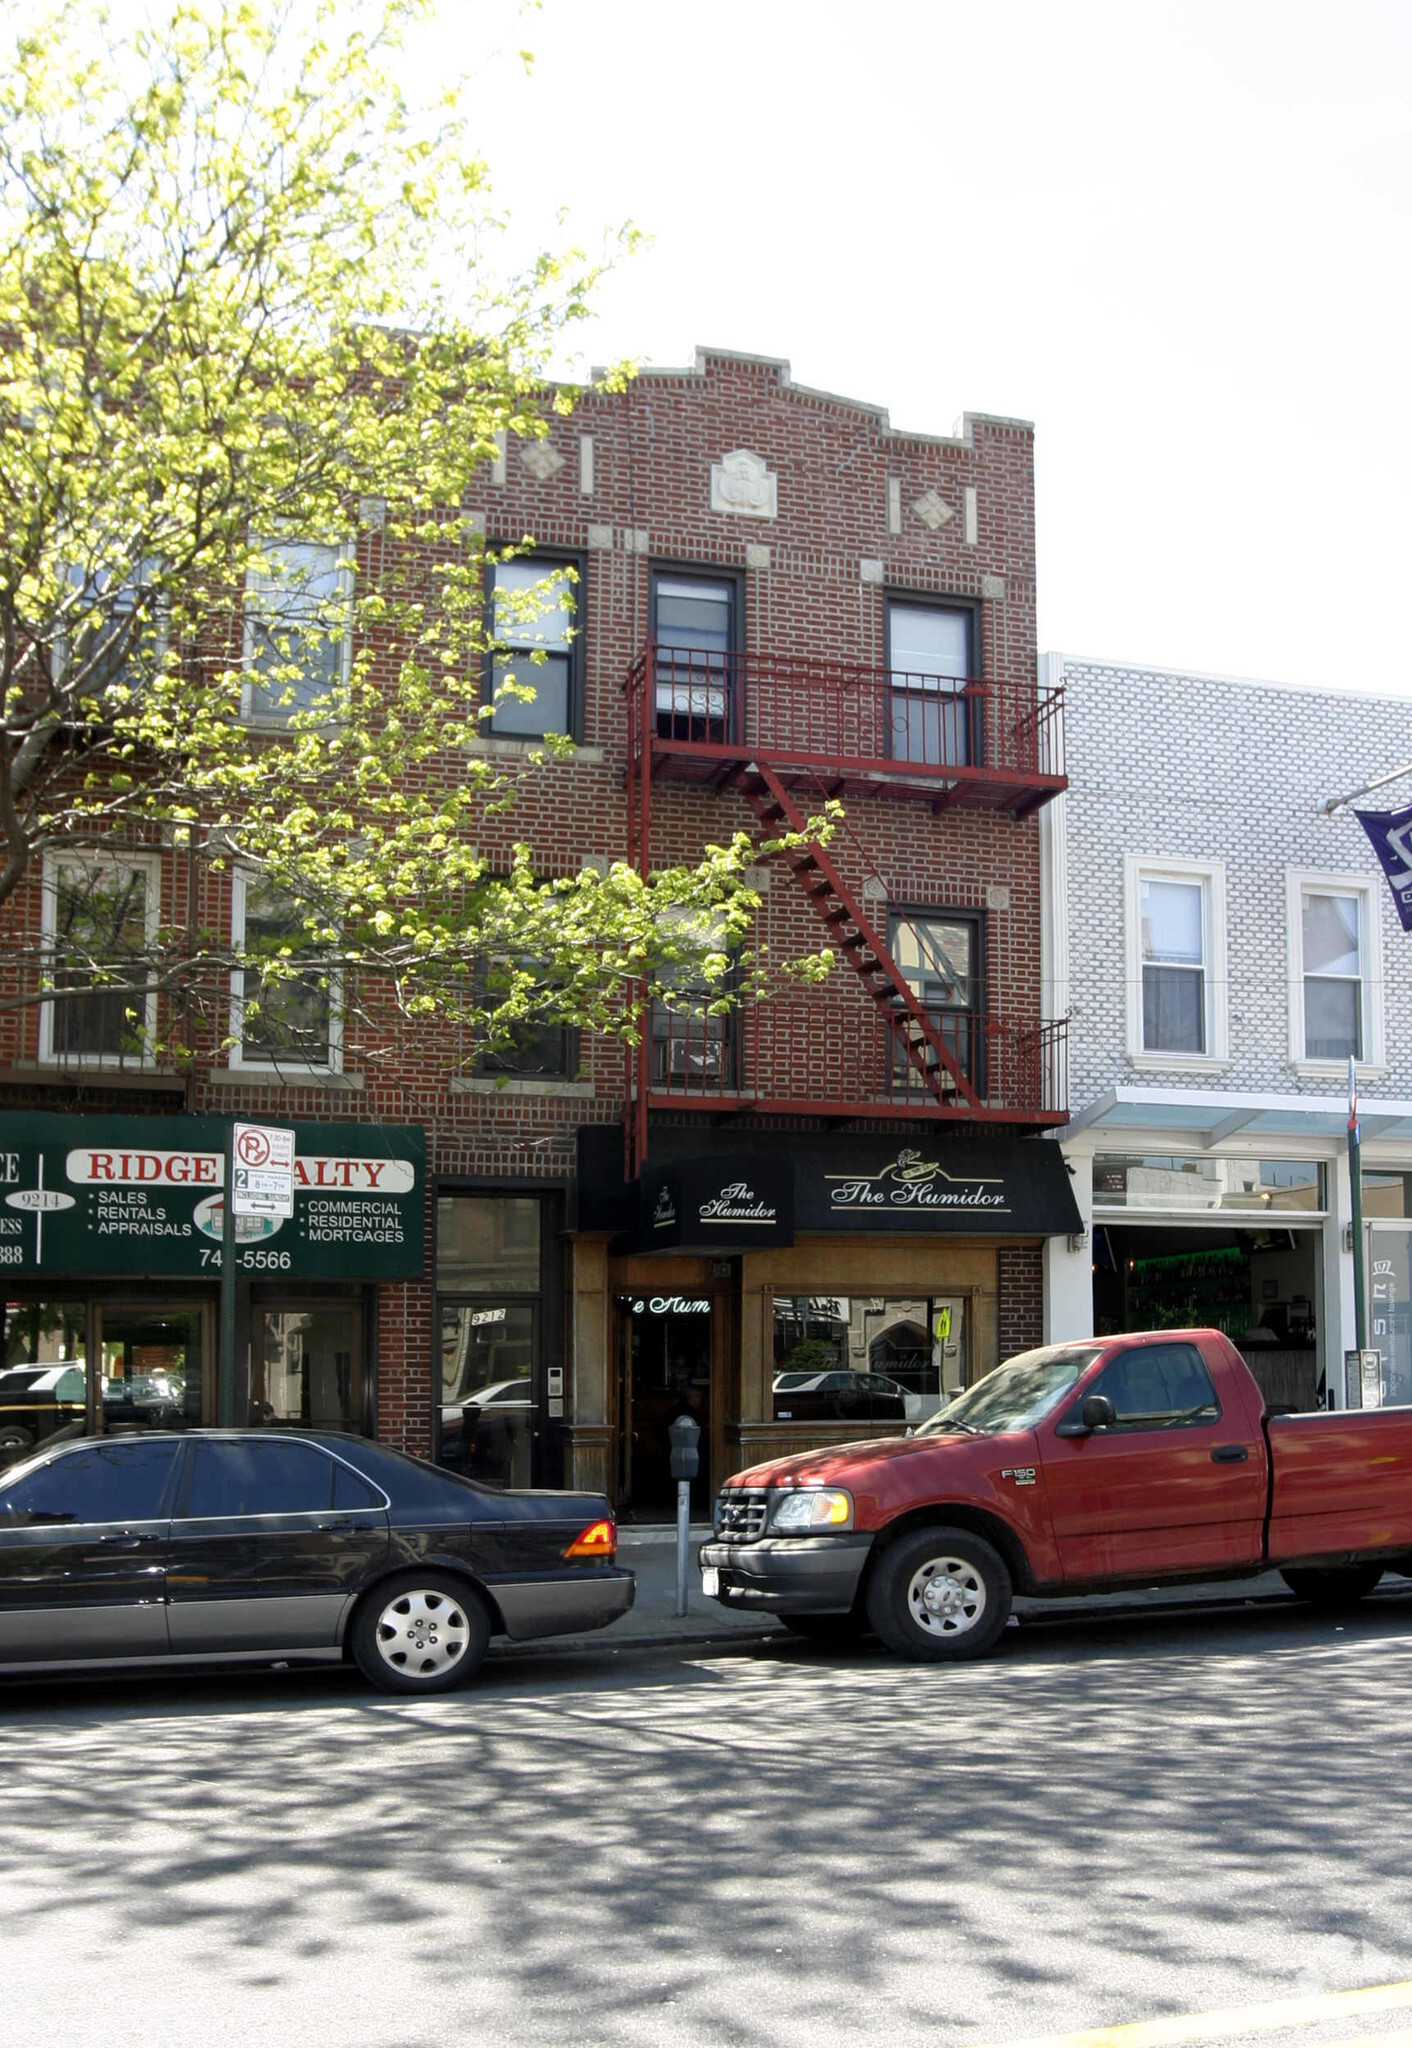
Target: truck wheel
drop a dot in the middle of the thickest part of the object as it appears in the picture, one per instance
(1343, 1586)
(826, 1628)
(940, 1595)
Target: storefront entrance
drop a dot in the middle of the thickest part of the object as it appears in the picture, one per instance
(1262, 1287)
(664, 1370)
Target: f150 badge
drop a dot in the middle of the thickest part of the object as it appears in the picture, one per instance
(1023, 1475)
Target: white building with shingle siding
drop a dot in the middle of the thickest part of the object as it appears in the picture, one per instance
(1220, 944)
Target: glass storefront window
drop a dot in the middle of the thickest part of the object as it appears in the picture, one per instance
(866, 1358)
(1125, 1180)
(151, 1367)
(488, 1241)
(487, 1389)
(43, 1377)
(1387, 1194)
(304, 1368)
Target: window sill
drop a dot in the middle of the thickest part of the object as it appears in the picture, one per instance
(94, 1073)
(285, 1077)
(1179, 1063)
(523, 1084)
(505, 749)
(1336, 1070)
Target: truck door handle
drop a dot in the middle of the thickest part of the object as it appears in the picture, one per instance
(1230, 1454)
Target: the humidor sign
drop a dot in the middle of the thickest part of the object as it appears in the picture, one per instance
(911, 1182)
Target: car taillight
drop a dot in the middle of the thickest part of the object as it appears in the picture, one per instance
(599, 1539)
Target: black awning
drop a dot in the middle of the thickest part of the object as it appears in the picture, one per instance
(936, 1181)
(731, 1204)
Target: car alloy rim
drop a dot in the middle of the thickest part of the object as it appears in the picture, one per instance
(946, 1596)
(422, 1634)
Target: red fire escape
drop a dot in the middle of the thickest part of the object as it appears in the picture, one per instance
(784, 736)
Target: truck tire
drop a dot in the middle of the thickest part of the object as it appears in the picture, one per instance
(1342, 1586)
(826, 1628)
(940, 1595)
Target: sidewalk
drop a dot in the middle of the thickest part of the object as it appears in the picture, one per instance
(650, 1552)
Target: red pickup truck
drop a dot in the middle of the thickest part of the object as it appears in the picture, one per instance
(1080, 1468)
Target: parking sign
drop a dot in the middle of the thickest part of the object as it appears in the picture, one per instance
(263, 1179)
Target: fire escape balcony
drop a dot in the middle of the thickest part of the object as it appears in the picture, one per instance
(797, 1056)
(702, 716)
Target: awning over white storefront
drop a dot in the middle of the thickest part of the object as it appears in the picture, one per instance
(1211, 1117)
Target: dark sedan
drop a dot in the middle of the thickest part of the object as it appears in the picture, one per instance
(212, 1545)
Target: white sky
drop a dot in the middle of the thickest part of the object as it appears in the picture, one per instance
(1173, 233)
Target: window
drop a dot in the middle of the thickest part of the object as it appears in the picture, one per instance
(1156, 1180)
(696, 628)
(533, 606)
(1176, 954)
(298, 630)
(100, 917)
(305, 1368)
(289, 1019)
(931, 655)
(692, 1049)
(270, 1478)
(1159, 1386)
(939, 957)
(868, 1357)
(124, 1482)
(549, 1051)
(120, 629)
(488, 1241)
(1333, 934)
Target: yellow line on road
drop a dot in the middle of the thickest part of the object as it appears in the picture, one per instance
(1245, 2019)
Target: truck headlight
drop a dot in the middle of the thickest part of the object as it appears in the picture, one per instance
(814, 1508)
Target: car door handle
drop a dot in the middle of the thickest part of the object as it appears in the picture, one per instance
(123, 1540)
(1230, 1454)
(346, 1522)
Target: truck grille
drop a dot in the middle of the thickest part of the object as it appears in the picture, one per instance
(740, 1514)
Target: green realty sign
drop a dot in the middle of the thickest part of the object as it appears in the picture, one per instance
(144, 1195)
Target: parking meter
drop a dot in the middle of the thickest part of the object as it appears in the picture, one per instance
(685, 1435)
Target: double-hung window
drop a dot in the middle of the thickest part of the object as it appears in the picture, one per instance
(534, 646)
(298, 631)
(285, 1014)
(696, 629)
(931, 654)
(939, 956)
(534, 1049)
(1333, 934)
(101, 914)
(1176, 964)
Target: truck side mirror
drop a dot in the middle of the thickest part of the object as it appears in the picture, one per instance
(1097, 1412)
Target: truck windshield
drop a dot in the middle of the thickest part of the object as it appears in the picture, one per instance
(1016, 1395)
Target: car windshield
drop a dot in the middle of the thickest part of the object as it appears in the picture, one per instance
(1016, 1395)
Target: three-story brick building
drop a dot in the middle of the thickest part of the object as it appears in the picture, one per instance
(808, 1218)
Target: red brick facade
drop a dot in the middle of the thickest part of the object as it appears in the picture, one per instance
(862, 511)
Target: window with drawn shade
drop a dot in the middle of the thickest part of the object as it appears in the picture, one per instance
(1174, 967)
(281, 1016)
(532, 624)
(1333, 976)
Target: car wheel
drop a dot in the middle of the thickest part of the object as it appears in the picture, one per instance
(826, 1628)
(13, 1438)
(1340, 1587)
(940, 1595)
(421, 1632)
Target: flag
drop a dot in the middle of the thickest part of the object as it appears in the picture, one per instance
(1391, 834)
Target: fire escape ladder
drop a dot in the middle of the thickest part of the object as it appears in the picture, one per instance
(854, 937)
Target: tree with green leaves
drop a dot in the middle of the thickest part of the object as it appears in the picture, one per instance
(245, 313)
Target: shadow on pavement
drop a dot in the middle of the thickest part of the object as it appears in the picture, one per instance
(742, 1843)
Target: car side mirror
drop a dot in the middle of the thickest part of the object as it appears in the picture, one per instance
(1097, 1412)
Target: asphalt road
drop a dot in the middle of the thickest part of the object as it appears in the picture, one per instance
(1107, 1822)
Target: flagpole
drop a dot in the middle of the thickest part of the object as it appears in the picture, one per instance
(1355, 1176)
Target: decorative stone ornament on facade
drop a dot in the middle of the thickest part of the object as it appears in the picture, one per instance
(932, 510)
(541, 461)
(742, 483)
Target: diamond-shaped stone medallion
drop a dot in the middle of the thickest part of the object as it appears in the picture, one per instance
(542, 461)
(932, 510)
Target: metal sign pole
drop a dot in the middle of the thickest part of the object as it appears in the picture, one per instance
(225, 1366)
(1355, 1175)
(683, 1539)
